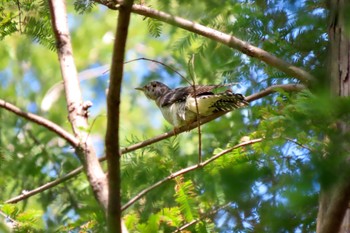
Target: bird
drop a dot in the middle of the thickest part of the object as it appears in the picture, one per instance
(179, 107)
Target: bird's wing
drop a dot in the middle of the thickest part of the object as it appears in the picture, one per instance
(180, 94)
(201, 90)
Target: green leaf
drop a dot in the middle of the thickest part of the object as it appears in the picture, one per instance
(154, 27)
(185, 197)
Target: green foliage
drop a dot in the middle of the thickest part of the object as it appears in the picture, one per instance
(231, 159)
(184, 197)
(25, 221)
(272, 186)
(31, 18)
(154, 27)
(7, 22)
(40, 30)
(83, 6)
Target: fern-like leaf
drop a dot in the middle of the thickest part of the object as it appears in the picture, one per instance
(82, 6)
(40, 30)
(185, 193)
(154, 27)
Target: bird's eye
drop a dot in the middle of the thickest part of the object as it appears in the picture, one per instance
(154, 85)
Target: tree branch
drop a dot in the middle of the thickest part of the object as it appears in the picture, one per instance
(186, 170)
(113, 152)
(40, 121)
(226, 39)
(27, 194)
(77, 114)
(275, 88)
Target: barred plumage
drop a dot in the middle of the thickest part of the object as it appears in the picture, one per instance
(178, 105)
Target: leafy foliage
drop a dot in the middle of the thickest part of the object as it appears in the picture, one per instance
(154, 27)
(7, 23)
(184, 195)
(26, 221)
(28, 17)
(83, 6)
(276, 179)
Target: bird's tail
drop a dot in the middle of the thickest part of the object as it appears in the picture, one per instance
(228, 101)
(209, 104)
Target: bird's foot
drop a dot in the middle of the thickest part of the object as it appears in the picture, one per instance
(176, 130)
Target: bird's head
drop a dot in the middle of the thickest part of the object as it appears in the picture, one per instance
(154, 89)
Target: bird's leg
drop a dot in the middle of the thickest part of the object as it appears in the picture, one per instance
(176, 130)
(190, 123)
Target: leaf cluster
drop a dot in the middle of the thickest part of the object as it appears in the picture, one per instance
(27, 17)
(25, 221)
(83, 6)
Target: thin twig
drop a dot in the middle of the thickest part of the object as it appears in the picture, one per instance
(161, 63)
(41, 121)
(186, 170)
(193, 78)
(299, 144)
(221, 37)
(93, 123)
(274, 88)
(26, 194)
(158, 62)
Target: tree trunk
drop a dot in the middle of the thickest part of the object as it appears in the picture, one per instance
(334, 214)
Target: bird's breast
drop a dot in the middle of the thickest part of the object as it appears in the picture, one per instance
(177, 114)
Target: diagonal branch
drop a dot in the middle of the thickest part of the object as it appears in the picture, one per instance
(267, 91)
(10, 222)
(40, 121)
(275, 88)
(46, 186)
(113, 152)
(186, 170)
(221, 37)
(77, 114)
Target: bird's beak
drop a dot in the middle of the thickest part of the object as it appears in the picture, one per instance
(140, 88)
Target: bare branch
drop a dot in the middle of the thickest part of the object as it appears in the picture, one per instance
(113, 116)
(221, 37)
(44, 187)
(299, 144)
(274, 88)
(76, 109)
(161, 63)
(186, 170)
(40, 121)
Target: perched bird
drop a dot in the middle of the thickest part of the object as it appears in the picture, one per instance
(178, 105)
